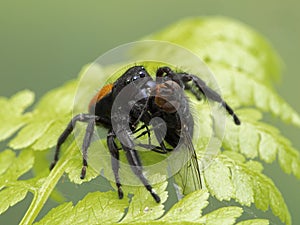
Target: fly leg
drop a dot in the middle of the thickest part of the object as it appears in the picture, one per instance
(211, 94)
(183, 78)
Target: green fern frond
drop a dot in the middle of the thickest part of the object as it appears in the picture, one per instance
(227, 178)
(12, 116)
(47, 120)
(225, 41)
(254, 222)
(256, 139)
(95, 208)
(105, 208)
(12, 168)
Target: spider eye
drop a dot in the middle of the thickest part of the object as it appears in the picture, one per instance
(135, 78)
(142, 73)
(127, 81)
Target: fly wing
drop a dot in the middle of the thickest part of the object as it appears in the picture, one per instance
(188, 179)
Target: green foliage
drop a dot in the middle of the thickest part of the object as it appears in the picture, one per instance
(254, 222)
(11, 168)
(256, 139)
(12, 115)
(110, 210)
(246, 68)
(228, 178)
(95, 208)
(47, 119)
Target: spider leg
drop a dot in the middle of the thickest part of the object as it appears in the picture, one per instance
(86, 143)
(134, 161)
(114, 160)
(62, 138)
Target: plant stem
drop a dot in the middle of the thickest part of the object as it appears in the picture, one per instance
(42, 194)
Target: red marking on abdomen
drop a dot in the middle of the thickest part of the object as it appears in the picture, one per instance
(100, 94)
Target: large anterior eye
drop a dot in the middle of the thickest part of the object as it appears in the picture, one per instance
(142, 73)
(135, 78)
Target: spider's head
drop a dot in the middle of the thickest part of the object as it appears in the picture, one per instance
(136, 75)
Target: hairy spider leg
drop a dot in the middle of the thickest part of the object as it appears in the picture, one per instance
(134, 160)
(85, 145)
(114, 151)
(62, 138)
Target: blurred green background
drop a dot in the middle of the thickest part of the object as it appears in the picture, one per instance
(45, 43)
